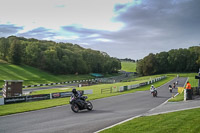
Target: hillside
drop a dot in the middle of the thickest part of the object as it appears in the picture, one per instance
(56, 58)
(128, 66)
(32, 75)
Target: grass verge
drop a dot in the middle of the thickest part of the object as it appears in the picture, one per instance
(177, 122)
(178, 98)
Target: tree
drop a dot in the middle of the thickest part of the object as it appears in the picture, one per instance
(139, 67)
(32, 54)
(162, 62)
(15, 52)
(147, 66)
(4, 48)
(150, 64)
(193, 61)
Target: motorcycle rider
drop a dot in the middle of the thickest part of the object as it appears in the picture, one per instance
(78, 96)
(170, 88)
(152, 89)
(75, 93)
(174, 85)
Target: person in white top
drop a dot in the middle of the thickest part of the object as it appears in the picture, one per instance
(152, 88)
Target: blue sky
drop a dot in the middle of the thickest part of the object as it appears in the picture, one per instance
(121, 28)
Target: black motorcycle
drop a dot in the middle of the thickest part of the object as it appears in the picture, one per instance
(154, 93)
(170, 88)
(80, 104)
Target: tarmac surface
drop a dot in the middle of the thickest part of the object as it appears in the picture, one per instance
(175, 106)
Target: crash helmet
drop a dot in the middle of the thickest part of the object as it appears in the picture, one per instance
(74, 90)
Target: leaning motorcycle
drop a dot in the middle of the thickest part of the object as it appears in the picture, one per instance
(154, 93)
(170, 89)
(80, 104)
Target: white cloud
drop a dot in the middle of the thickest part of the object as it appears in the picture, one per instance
(132, 28)
(103, 40)
(94, 35)
(84, 44)
(91, 14)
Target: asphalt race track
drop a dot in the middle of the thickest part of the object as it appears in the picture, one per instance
(107, 111)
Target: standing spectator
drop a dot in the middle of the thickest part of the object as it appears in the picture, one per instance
(188, 86)
(188, 91)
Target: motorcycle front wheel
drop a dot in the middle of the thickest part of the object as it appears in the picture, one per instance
(154, 94)
(75, 108)
(89, 105)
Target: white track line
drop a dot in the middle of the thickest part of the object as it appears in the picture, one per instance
(118, 123)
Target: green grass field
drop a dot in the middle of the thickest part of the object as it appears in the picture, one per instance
(176, 122)
(33, 76)
(128, 66)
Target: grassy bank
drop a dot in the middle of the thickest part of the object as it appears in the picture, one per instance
(128, 66)
(34, 76)
(176, 122)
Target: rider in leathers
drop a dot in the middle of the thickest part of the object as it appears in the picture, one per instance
(152, 89)
(78, 96)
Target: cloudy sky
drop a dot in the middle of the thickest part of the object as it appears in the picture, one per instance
(121, 28)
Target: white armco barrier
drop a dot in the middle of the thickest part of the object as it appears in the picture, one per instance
(121, 88)
(1, 101)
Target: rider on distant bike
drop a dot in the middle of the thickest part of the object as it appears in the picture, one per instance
(152, 89)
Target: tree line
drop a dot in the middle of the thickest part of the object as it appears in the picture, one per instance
(128, 59)
(175, 60)
(57, 58)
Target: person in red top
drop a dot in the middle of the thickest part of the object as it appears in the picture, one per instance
(188, 91)
(188, 86)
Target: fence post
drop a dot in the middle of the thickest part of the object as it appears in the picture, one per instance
(1, 101)
(184, 94)
(50, 95)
